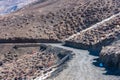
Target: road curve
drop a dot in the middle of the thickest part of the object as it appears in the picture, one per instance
(81, 67)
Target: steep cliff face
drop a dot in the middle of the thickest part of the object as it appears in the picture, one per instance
(110, 56)
(45, 21)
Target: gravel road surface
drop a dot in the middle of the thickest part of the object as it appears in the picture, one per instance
(81, 67)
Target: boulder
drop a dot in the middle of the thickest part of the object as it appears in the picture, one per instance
(110, 56)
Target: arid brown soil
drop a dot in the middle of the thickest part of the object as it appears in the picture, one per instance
(55, 21)
(25, 63)
(100, 34)
(30, 61)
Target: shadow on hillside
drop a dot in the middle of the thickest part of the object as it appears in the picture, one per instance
(109, 71)
(96, 51)
(92, 51)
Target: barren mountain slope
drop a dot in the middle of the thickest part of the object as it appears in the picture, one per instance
(55, 19)
(100, 34)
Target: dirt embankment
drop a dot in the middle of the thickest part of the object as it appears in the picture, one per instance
(98, 35)
(55, 23)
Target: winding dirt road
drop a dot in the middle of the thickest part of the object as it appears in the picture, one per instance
(81, 67)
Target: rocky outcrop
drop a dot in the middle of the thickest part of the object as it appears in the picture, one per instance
(47, 22)
(110, 56)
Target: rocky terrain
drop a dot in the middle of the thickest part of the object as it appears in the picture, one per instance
(45, 22)
(100, 34)
(95, 37)
(110, 55)
(28, 62)
(84, 24)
